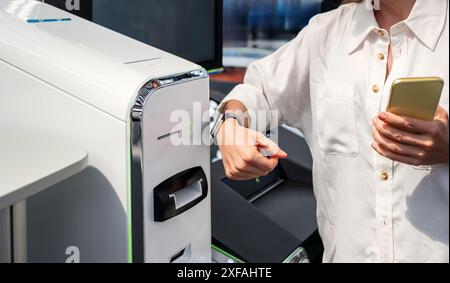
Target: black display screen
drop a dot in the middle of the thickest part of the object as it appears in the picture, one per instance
(186, 28)
(80, 8)
(191, 29)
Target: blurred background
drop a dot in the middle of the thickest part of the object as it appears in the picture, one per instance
(250, 25)
(253, 29)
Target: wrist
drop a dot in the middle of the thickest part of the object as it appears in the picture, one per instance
(230, 123)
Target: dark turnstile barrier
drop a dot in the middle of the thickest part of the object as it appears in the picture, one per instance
(271, 219)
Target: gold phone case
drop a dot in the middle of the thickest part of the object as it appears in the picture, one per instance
(416, 97)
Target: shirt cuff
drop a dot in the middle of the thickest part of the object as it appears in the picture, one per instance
(260, 114)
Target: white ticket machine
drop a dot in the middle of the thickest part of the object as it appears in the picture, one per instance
(144, 197)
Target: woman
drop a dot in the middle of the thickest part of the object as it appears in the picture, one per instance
(381, 180)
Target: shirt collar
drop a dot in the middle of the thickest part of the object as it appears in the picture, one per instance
(426, 21)
(363, 24)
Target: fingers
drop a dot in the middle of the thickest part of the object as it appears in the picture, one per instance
(250, 169)
(234, 173)
(271, 147)
(441, 115)
(242, 158)
(251, 157)
(249, 165)
(394, 156)
(241, 177)
(244, 171)
(401, 136)
(398, 148)
(264, 163)
(441, 112)
(407, 124)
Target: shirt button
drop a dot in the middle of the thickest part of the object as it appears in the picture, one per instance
(381, 56)
(375, 88)
(381, 33)
(384, 176)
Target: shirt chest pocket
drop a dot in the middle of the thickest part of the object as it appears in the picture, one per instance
(336, 119)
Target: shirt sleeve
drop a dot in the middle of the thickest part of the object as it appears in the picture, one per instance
(277, 87)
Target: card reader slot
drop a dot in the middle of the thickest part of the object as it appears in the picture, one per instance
(187, 195)
(179, 193)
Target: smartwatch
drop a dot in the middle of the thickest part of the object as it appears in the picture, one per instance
(221, 119)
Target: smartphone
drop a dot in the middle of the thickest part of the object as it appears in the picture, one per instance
(416, 97)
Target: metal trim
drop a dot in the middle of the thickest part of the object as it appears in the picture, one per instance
(266, 190)
(146, 91)
(298, 256)
(136, 190)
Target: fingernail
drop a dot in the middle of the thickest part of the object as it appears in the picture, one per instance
(382, 116)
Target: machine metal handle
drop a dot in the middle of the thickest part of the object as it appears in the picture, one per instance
(187, 195)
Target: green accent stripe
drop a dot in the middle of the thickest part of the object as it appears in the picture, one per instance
(215, 71)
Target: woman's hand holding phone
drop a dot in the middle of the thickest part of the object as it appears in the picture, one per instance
(412, 141)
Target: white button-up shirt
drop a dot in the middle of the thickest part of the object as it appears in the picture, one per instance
(330, 82)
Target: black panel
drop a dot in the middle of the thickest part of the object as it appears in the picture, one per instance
(164, 204)
(250, 188)
(84, 9)
(292, 205)
(137, 202)
(314, 248)
(241, 229)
